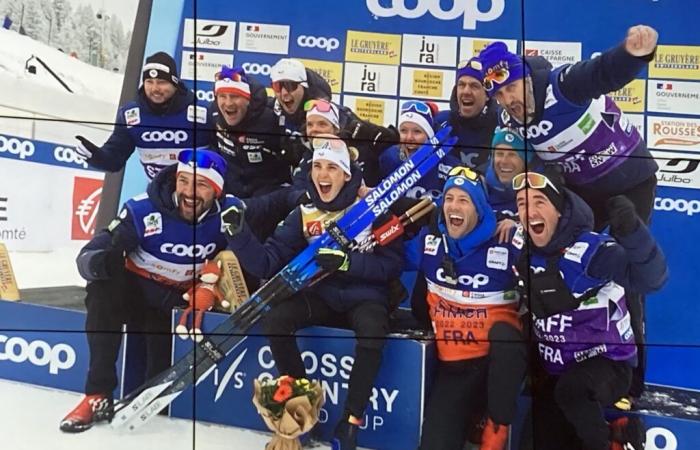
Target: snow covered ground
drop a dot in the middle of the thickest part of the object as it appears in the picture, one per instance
(29, 418)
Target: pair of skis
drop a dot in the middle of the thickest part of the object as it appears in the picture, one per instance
(145, 402)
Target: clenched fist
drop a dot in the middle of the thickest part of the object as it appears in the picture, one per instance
(641, 40)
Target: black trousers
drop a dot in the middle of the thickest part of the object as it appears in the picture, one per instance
(369, 320)
(642, 196)
(110, 304)
(464, 389)
(567, 411)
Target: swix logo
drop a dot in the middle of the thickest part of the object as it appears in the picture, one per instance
(324, 43)
(467, 9)
(257, 69)
(389, 233)
(39, 353)
(541, 129)
(475, 282)
(177, 136)
(86, 201)
(193, 251)
(69, 155)
(18, 147)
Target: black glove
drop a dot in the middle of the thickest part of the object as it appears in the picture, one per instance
(86, 149)
(332, 259)
(106, 264)
(623, 216)
(549, 294)
(232, 218)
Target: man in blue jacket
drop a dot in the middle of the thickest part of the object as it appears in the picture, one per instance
(564, 114)
(162, 120)
(576, 283)
(354, 294)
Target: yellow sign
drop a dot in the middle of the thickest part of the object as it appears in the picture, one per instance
(427, 83)
(676, 61)
(631, 97)
(370, 109)
(373, 47)
(479, 44)
(8, 284)
(332, 72)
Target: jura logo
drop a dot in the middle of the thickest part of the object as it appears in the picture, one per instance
(475, 282)
(177, 137)
(324, 43)
(193, 251)
(369, 80)
(40, 353)
(467, 9)
(427, 52)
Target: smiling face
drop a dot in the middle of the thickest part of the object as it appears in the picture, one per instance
(471, 97)
(328, 178)
(518, 99)
(290, 99)
(459, 213)
(194, 195)
(317, 125)
(158, 91)
(538, 215)
(233, 107)
(507, 163)
(412, 136)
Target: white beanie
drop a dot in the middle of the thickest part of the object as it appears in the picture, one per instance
(331, 116)
(333, 149)
(289, 69)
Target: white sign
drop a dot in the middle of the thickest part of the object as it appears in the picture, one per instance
(677, 97)
(470, 47)
(371, 78)
(557, 53)
(426, 50)
(263, 38)
(207, 65)
(673, 133)
(677, 169)
(216, 34)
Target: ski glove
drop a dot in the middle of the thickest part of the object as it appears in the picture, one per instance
(332, 259)
(548, 293)
(232, 218)
(105, 264)
(623, 216)
(85, 148)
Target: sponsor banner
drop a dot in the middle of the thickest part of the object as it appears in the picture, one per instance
(254, 68)
(32, 150)
(203, 65)
(677, 97)
(424, 50)
(676, 61)
(377, 110)
(673, 133)
(427, 83)
(379, 48)
(470, 47)
(638, 121)
(86, 201)
(332, 72)
(393, 415)
(631, 97)
(371, 79)
(214, 34)
(317, 45)
(263, 38)
(677, 169)
(557, 53)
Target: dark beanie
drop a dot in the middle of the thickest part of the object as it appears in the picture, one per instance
(161, 65)
(554, 175)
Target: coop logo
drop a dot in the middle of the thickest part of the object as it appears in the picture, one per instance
(476, 281)
(661, 439)
(69, 156)
(205, 96)
(681, 205)
(324, 43)
(467, 9)
(86, 201)
(18, 147)
(176, 137)
(39, 353)
(541, 129)
(193, 251)
(257, 69)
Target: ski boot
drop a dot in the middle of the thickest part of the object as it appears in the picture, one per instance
(345, 434)
(495, 436)
(627, 433)
(91, 410)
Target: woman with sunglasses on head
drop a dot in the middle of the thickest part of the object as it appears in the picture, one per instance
(575, 282)
(472, 304)
(354, 294)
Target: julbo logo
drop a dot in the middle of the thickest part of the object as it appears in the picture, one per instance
(468, 9)
(40, 353)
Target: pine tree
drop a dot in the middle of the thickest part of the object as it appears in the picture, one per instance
(34, 21)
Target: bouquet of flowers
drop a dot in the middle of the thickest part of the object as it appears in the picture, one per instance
(289, 408)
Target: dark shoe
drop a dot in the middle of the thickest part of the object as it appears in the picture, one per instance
(627, 433)
(91, 410)
(345, 434)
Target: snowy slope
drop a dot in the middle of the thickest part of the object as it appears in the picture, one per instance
(85, 80)
(30, 415)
